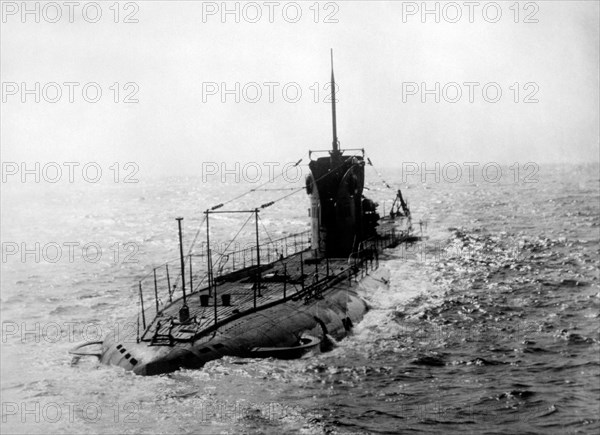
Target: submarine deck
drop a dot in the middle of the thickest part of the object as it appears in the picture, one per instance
(299, 275)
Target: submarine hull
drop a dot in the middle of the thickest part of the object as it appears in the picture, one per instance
(278, 327)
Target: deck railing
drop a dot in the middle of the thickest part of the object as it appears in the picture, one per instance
(159, 288)
(314, 278)
(162, 285)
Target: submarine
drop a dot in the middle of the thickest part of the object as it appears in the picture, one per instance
(282, 298)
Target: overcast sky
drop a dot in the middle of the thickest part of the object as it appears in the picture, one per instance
(179, 54)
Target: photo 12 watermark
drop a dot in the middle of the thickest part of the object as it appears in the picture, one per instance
(252, 172)
(54, 332)
(70, 12)
(69, 252)
(267, 92)
(444, 412)
(69, 92)
(469, 172)
(470, 12)
(68, 172)
(70, 412)
(438, 335)
(271, 12)
(222, 411)
(471, 92)
(430, 252)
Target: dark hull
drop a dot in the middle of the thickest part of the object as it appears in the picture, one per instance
(279, 326)
(300, 296)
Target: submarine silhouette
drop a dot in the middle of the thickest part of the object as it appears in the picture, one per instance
(283, 298)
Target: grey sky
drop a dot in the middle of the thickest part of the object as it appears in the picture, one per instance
(173, 50)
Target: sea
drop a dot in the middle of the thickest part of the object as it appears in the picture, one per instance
(490, 324)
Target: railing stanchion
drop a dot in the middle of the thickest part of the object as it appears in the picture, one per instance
(169, 283)
(258, 277)
(155, 292)
(142, 307)
(284, 280)
(181, 259)
(302, 270)
(191, 282)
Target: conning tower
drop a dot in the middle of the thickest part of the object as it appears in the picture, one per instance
(341, 216)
